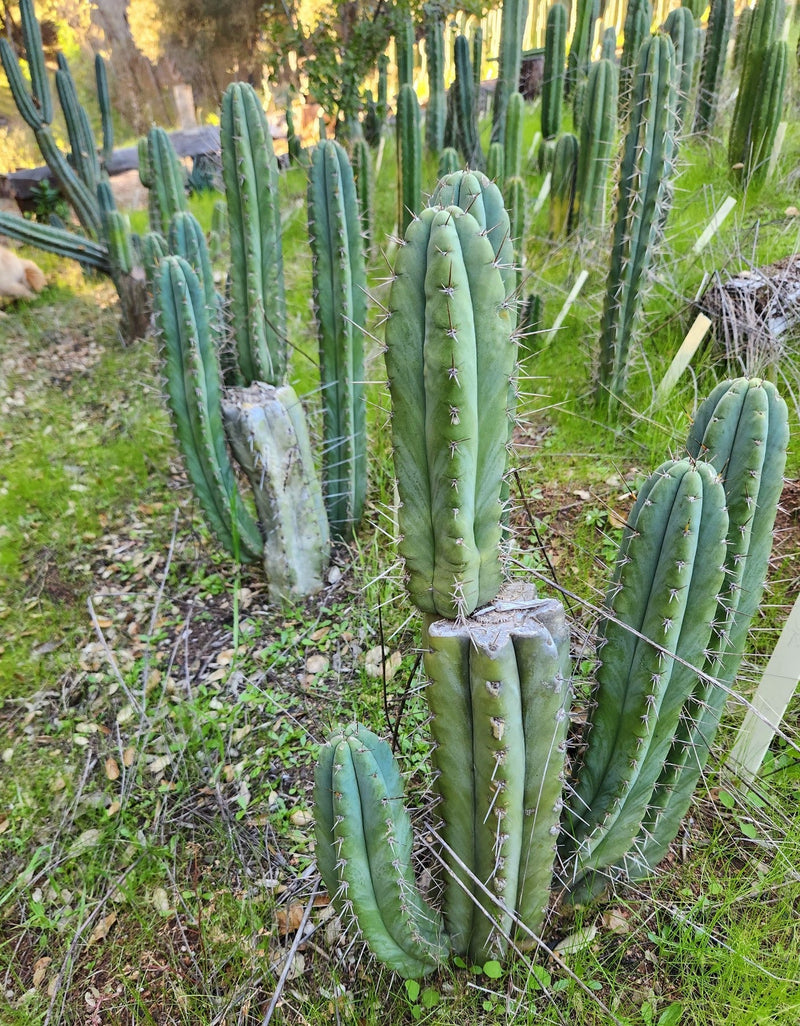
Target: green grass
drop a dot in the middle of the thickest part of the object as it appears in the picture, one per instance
(157, 762)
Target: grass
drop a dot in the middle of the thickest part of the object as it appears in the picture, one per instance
(160, 720)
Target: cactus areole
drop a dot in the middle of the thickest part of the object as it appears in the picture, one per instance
(450, 358)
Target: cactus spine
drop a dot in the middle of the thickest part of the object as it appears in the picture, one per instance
(436, 111)
(641, 203)
(553, 78)
(596, 142)
(720, 21)
(339, 280)
(250, 174)
(409, 157)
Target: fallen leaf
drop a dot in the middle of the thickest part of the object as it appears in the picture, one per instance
(301, 818)
(100, 932)
(40, 969)
(289, 919)
(378, 667)
(112, 769)
(576, 941)
(616, 921)
(128, 756)
(317, 664)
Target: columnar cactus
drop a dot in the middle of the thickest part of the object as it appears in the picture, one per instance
(161, 172)
(638, 19)
(598, 129)
(512, 26)
(258, 300)
(512, 146)
(720, 20)
(464, 106)
(404, 50)
(759, 109)
(680, 27)
(580, 51)
(555, 44)
(362, 173)
(741, 431)
(193, 392)
(364, 846)
(562, 188)
(339, 280)
(643, 194)
(436, 111)
(661, 605)
(449, 161)
(496, 164)
(409, 157)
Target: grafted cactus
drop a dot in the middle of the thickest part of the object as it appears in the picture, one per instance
(339, 279)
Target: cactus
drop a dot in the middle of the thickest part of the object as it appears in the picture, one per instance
(104, 102)
(608, 45)
(638, 19)
(740, 37)
(661, 604)
(596, 142)
(758, 112)
(712, 68)
(464, 108)
(562, 189)
(250, 174)
(449, 162)
(436, 111)
(450, 327)
(193, 390)
(476, 59)
(580, 50)
(555, 48)
(498, 696)
(642, 200)
(409, 157)
(218, 235)
(512, 146)
(495, 164)
(83, 154)
(404, 50)
(161, 172)
(512, 26)
(267, 432)
(154, 247)
(741, 431)
(339, 281)
(293, 143)
(680, 27)
(364, 841)
(64, 243)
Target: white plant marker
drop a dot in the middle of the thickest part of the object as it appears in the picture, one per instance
(777, 146)
(544, 192)
(580, 281)
(713, 225)
(682, 358)
(770, 701)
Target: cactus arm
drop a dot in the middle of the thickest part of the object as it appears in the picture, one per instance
(193, 390)
(249, 171)
(104, 102)
(24, 101)
(663, 601)
(164, 178)
(364, 852)
(56, 240)
(79, 132)
(187, 239)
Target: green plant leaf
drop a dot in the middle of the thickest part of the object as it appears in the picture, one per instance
(493, 970)
(671, 1016)
(412, 989)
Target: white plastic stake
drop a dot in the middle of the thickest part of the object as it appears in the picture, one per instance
(683, 357)
(544, 192)
(580, 281)
(770, 701)
(714, 225)
(777, 146)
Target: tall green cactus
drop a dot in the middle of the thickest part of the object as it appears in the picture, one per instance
(161, 172)
(680, 27)
(339, 282)
(741, 431)
(712, 68)
(643, 195)
(562, 188)
(512, 146)
(758, 111)
(450, 328)
(512, 26)
(404, 50)
(496, 164)
(193, 391)
(436, 110)
(638, 19)
(409, 157)
(464, 106)
(661, 607)
(364, 843)
(596, 143)
(365, 187)
(555, 49)
(580, 51)
(250, 174)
